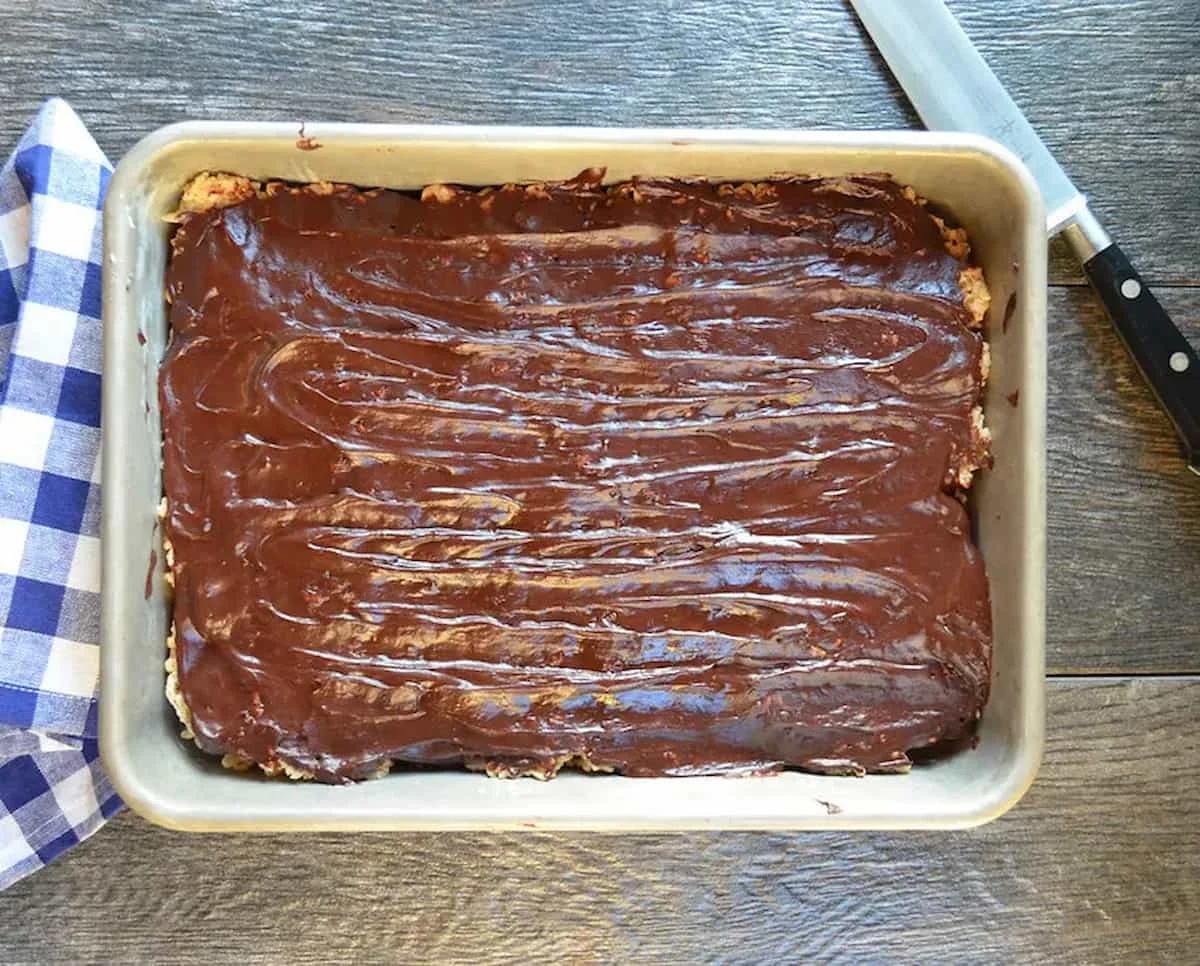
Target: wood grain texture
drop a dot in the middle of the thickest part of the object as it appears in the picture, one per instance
(1100, 863)
(1108, 84)
(1124, 512)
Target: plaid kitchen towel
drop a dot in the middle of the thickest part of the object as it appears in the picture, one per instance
(53, 793)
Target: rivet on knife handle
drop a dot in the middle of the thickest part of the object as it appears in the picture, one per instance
(1169, 363)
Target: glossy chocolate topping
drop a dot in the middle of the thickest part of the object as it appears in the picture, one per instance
(657, 479)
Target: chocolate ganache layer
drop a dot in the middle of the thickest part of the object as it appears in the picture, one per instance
(662, 478)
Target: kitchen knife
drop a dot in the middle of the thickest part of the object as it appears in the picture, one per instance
(953, 89)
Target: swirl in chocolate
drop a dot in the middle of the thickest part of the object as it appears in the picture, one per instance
(658, 479)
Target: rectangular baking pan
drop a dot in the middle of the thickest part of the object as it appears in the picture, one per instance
(986, 189)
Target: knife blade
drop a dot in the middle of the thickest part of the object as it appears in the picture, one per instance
(953, 89)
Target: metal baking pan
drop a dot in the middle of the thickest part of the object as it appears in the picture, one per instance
(168, 781)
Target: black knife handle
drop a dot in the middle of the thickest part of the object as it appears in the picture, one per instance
(1169, 363)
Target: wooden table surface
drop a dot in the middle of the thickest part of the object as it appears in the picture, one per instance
(1100, 862)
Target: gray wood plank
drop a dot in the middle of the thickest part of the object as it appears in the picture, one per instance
(1100, 863)
(1124, 513)
(1111, 85)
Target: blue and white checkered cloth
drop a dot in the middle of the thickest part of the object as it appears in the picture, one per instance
(53, 793)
